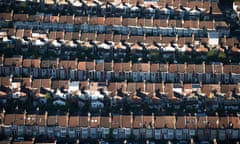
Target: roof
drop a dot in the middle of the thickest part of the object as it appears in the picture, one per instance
(69, 64)
(159, 86)
(84, 85)
(117, 67)
(35, 18)
(202, 122)
(11, 31)
(20, 17)
(199, 68)
(108, 66)
(218, 68)
(165, 122)
(94, 122)
(213, 121)
(90, 65)
(49, 63)
(68, 36)
(82, 66)
(80, 19)
(20, 33)
(23, 142)
(181, 68)
(235, 121)
(126, 121)
(6, 16)
(208, 68)
(74, 121)
(180, 122)
(223, 122)
(140, 67)
(52, 120)
(13, 61)
(225, 88)
(41, 120)
(163, 67)
(66, 19)
(115, 121)
(41, 83)
(104, 122)
(9, 119)
(148, 121)
(126, 66)
(83, 121)
(58, 84)
(35, 63)
(137, 121)
(27, 33)
(140, 86)
(62, 120)
(5, 81)
(235, 68)
(150, 87)
(154, 67)
(131, 87)
(19, 119)
(31, 119)
(108, 21)
(209, 88)
(190, 68)
(100, 66)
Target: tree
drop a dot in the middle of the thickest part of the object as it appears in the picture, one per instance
(222, 55)
(211, 53)
(47, 96)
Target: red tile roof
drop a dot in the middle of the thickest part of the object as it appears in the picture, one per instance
(19, 119)
(62, 120)
(137, 121)
(13, 61)
(31, 119)
(41, 120)
(5, 81)
(235, 122)
(165, 122)
(9, 119)
(20, 17)
(73, 121)
(126, 121)
(115, 121)
(6, 16)
(58, 84)
(154, 67)
(100, 66)
(35, 63)
(83, 121)
(172, 68)
(108, 66)
(52, 121)
(68, 64)
(50, 63)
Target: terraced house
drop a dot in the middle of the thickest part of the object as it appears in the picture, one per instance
(120, 71)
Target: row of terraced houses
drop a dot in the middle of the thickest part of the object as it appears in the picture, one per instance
(100, 70)
(122, 126)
